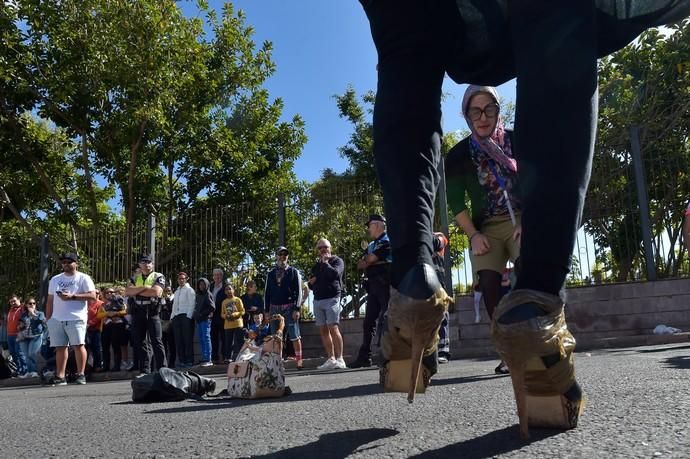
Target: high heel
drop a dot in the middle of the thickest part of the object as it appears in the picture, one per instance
(414, 315)
(531, 335)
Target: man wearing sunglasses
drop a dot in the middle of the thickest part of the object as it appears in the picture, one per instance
(326, 281)
(67, 314)
(284, 296)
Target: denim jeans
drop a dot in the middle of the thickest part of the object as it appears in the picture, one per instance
(551, 46)
(30, 348)
(203, 330)
(17, 354)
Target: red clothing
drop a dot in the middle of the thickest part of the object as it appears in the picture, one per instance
(94, 321)
(13, 316)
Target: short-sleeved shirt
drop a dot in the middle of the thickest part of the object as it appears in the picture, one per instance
(381, 247)
(70, 309)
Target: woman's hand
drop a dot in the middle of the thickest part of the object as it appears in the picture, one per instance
(517, 234)
(480, 244)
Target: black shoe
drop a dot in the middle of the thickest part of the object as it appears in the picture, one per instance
(502, 369)
(360, 363)
(80, 379)
(59, 381)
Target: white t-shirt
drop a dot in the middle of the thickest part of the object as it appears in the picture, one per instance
(71, 309)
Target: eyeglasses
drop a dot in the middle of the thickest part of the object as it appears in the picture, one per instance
(31, 303)
(491, 111)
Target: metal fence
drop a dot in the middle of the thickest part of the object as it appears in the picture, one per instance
(620, 239)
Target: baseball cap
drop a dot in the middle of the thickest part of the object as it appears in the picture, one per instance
(69, 256)
(375, 218)
(282, 249)
(145, 259)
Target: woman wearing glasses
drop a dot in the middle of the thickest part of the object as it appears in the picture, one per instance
(32, 325)
(483, 168)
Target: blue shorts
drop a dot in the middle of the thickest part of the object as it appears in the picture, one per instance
(66, 332)
(291, 325)
(327, 311)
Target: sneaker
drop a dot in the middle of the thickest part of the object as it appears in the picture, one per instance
(340, 364)
(477, 318)
(80, 379)
(23, 375)
(59, 381)
(442, 359)
(329, 364)
(124, 366)
(33, 374)
(206, 364)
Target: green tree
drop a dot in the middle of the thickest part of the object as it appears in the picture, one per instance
(646, 84)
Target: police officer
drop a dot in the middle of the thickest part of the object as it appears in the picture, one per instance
(147, 289)
(376, 265)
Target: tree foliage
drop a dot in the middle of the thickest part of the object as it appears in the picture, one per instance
(646, 84)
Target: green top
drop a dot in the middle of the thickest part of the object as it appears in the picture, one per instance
(462, 182)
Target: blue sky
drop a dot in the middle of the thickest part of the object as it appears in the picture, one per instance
(320, 47)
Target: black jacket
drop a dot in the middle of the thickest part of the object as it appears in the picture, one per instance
(329, 278)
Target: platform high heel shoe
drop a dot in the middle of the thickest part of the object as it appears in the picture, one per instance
(410, 337)
(531, 335)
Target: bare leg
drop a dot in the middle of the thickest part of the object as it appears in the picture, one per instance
(80, 356)
(326, 340)
(337, 339)
(60, 361)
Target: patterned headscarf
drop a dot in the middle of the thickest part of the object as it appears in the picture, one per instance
(495, 146)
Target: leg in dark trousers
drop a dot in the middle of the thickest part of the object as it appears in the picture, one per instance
(217, 337)
(183, 330)
(490, 284)
(169, 346)
(140, 347)
(372, 315)
(106, 343)
(95, 348)
(155, 333)
(237, 342)
(227, 343)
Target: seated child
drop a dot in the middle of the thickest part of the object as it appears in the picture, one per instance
(258, 330)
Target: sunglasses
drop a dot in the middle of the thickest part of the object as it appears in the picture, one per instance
(323, 247)
(32, 303)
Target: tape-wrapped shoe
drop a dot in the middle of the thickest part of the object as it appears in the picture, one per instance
(410, 338)
(531, 335)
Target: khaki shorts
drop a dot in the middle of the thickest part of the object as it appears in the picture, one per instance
(499, 232)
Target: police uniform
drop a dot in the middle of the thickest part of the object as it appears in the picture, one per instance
(146, 320)
(378, 293)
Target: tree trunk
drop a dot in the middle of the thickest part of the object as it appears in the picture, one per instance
(88, 177)
(131, 178)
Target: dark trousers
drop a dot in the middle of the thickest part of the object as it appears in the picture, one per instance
(552, 48)
(94, 347)
(234, 339)
(169, 346)
(217, 336)
(183, 331)
(143, 326)
(113, 337)
(378, 294)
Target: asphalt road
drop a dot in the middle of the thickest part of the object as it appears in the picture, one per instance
(638, 406)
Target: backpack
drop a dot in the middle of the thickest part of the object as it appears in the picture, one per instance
(166, 385)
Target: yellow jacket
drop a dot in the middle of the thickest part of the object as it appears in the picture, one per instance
(232, 311)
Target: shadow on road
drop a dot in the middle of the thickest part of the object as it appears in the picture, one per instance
(489, 445)
(465, 379)
(220, 403)
(681, 362)
(336, 445)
